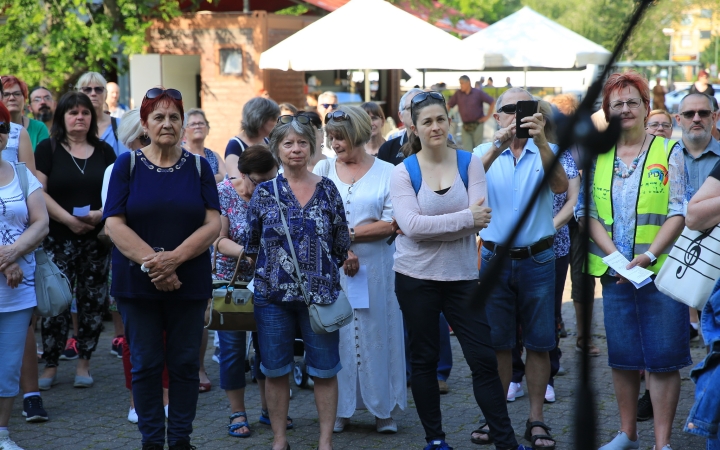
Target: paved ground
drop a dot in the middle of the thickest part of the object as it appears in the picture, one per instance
(96, 418)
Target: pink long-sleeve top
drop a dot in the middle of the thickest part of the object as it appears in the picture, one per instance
(439, 233)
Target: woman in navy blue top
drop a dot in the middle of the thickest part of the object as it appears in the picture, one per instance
(162, 214)
(315, 214)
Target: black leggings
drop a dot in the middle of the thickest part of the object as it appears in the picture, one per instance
(421, 302)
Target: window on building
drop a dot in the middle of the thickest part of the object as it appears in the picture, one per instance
(705, 34)
(706, 13)
(231, 61)
(687, 20)
(686, 40)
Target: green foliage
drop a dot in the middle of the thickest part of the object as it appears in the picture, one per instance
(52, 43)
(297, 10)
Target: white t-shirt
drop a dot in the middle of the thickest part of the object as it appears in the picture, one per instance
(13, 222)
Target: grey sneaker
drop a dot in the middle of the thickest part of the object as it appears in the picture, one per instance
(46, 383)
(83, 382)
(6, 443)
(621, 442)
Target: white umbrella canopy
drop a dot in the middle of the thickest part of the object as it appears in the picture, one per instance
(528, 39)
(362, 35)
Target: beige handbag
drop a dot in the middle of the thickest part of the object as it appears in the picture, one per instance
(231, 307)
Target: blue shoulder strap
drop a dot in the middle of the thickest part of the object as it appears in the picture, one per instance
(413, 167)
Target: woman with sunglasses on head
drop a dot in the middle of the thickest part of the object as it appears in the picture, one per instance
(71, 165)
(314, 211)
(15, 94)
(436, 268)
(659, 123)
(258, 119)
(25, 224)
(162, 214)
(636, 208)
(94, 86)
(374, 344)
(256, 165)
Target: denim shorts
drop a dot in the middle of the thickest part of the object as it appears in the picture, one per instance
(526, 288)
(277, 325)
(645, 328)
(13, 331)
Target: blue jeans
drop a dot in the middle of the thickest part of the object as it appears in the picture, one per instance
(182, 321)
(13, 330)
(277, 325)
(446, 361)
(524, 293)
(713, 444)
(232, 359)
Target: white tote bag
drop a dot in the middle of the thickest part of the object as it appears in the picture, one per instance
(692, 267)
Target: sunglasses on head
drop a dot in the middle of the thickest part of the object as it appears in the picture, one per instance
(4, 128)
(703, 113)
(423, 96)
(157, 92)
(288, 118)
(88, 90)
(508, 109)
(337, 116)
(328, 105)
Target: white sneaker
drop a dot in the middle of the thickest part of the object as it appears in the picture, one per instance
(515, 391)
(132, 416)
(386, 425)
(6, 443)
(549, 394)
(340, 424)
(621, 442)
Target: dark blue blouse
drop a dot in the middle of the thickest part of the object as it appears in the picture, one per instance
(164, 206)
(320, 238)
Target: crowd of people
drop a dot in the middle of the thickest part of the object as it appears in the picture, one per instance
(309, 206)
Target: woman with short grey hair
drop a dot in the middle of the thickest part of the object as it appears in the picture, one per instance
(258, 119)
(321, 240)
(130, 130)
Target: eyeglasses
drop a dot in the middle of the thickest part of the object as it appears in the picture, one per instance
(329, 105)
(87, 90)
(423, 96)
(337, 116)
(47, 99)
(633, 103)
(4, 128)
(656, 125)
(16, 94)
(509, 109)
(255, 183)
(287, 118)
(703, 113)
(157, 92)
(197, 125)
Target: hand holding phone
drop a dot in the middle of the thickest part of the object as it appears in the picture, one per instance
(524, 108)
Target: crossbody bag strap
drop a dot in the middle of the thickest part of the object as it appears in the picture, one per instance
(298, 274)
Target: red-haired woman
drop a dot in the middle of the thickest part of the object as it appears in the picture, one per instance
(162, 214)
(636, 209)
(15, 94)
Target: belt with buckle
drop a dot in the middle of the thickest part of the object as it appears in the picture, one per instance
(523, 252)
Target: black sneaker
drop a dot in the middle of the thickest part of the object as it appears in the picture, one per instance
(182, 445)
(645, 408)
(153, 447)
(33, 409)
(563, 331)
(693, 333)
(70, 351)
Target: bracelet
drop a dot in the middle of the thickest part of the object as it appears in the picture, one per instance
(497, 143)
(652, 257)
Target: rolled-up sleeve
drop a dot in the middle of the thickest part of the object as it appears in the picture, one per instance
(678, 186)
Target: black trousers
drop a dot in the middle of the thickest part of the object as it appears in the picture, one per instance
(421, 302)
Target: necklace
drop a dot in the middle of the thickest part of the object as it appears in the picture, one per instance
(633, 166)
(82, 171)
(352, 183)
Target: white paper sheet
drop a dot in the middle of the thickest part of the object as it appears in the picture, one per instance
(357, 289)
(81, 211)
(637, 275)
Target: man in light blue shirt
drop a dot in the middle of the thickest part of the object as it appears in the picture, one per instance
(524, 293)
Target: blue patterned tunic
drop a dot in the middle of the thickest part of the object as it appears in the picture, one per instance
(561, 246)
(320, 237)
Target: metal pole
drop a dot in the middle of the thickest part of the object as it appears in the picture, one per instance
(367, 85)
(424, 78)
(525, 73)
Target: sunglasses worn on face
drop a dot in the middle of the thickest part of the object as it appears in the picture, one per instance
(329, 105)
(157, 92)
(288, 118)
(4, 128)
(87, 90)
(703, 113)
(508, 109)
(337, 116)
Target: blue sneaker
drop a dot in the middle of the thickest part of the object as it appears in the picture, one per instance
(437, 444)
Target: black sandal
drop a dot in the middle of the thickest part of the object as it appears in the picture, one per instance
(480, 431)
(533, 438)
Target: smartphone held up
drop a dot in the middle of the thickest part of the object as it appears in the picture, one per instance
(524, 108)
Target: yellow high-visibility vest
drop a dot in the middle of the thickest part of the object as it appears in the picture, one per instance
(652, 204)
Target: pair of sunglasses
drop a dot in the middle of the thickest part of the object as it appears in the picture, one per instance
(87, 90)
(4, 128)
(328, 105)
(509, 109)
(703, 113)
(157, 92)
(423, 96)
(337, 116)
(288, 118)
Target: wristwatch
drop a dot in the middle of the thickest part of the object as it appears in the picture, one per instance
(497, 143)
(652, 257)
(352, 234)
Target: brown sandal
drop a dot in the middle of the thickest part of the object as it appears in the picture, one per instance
(592, 349)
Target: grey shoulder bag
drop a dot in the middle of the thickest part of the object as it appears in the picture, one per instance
(323, 318)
